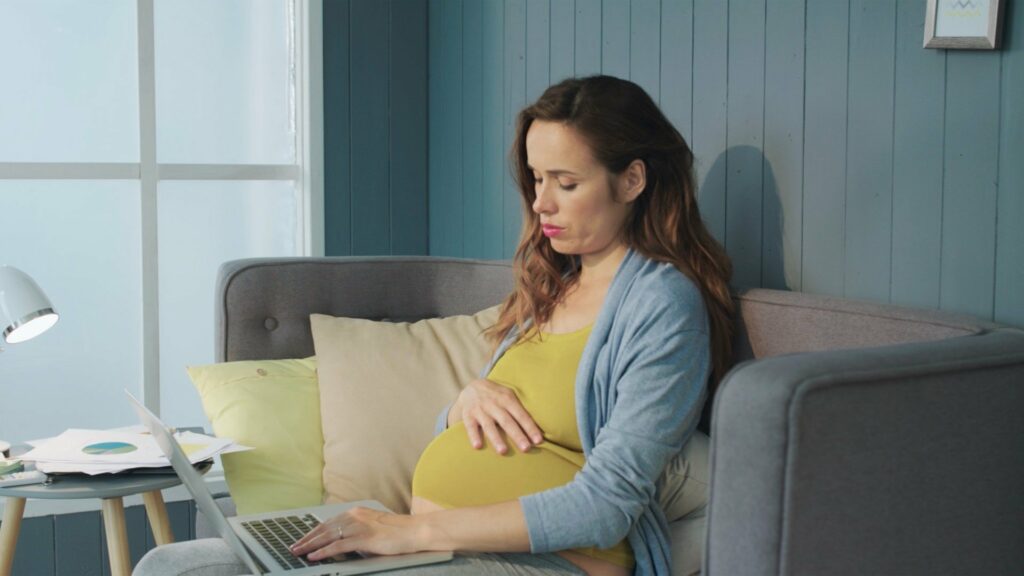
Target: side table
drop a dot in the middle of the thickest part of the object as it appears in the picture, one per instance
(111, 489)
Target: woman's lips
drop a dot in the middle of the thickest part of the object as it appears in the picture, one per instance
(550, 231)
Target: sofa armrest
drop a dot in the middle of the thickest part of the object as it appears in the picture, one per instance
(203, 527)
(895, 460)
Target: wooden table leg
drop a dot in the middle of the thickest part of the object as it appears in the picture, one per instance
(13, 511)
(117, 537)
(158, 520)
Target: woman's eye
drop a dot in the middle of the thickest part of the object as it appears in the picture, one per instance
(538, 181)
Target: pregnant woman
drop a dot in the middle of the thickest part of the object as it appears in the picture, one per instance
(620, 315)
(603, 354)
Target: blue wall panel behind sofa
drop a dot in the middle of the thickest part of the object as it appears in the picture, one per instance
(917, 164)
(834, 154)
(375, 126)
(1010, 210)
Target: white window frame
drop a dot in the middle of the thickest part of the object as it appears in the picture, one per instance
(307, 171)
(306, 62)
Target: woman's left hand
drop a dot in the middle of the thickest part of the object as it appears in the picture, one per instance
(362, 530)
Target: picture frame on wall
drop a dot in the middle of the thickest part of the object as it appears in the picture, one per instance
(963, 24)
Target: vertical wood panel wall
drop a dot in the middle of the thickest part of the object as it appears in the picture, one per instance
(835, 154)
(76, 544)
(375, 122)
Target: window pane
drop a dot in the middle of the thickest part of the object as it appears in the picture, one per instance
(80, 240)
(70, 81)
(201, 225)
(223, 82)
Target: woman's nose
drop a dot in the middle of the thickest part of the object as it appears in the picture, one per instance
(542, 203)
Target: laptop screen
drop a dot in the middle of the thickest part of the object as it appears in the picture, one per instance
(193, 481)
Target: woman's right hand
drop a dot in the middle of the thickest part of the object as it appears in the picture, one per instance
(484, 405)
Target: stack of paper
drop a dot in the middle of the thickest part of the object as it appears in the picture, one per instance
(107, 451)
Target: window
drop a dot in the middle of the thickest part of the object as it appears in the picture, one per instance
(143, 143)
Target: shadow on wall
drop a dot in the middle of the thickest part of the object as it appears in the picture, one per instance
(739, 201)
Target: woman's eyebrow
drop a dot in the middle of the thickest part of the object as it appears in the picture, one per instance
(555, 172)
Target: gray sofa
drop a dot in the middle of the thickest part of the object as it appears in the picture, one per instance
(851, 438)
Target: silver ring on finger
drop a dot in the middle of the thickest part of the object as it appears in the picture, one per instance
(340, 534)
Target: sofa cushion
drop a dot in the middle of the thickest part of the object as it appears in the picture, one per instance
(382, 385)
(777, 322)
(683, 487)
(687, 538)
(263, 304)
(274, 407)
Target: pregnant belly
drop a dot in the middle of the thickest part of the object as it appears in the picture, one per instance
(453, 474)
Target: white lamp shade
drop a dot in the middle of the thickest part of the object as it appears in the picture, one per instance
(25, 311)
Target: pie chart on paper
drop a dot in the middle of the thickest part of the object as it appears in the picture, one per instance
(109, 448)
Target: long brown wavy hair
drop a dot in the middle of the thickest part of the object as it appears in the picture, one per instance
(621, 123)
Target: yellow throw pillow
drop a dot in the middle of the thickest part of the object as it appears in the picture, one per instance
(274, 407)
(382, 386)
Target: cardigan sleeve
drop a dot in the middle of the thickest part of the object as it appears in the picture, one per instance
(659, 375)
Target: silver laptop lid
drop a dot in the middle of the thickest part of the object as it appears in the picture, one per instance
(193, 481)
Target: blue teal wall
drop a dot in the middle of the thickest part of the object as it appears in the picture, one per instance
(835, 154)
(76, 544)
(375, 126)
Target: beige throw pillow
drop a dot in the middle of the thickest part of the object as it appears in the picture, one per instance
(683, 487)
(382, 386)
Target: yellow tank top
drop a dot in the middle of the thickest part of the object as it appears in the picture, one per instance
(542, 372)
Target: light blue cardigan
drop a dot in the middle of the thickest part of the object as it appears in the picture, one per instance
(640, 386)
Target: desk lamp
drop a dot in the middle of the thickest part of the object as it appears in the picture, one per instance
(25, 312)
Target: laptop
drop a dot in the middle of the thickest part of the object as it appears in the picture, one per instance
(261, 541)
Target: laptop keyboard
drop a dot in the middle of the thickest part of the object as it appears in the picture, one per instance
(277, 534)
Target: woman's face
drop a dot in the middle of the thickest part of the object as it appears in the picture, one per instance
(576, 195)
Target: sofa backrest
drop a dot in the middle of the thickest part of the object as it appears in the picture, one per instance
(777, 322)
(263, 305)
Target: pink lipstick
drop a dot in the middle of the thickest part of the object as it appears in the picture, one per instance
(551, 231)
